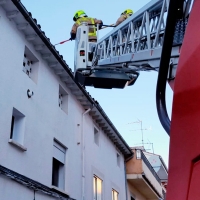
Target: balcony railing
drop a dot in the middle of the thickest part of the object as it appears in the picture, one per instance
(143, 157)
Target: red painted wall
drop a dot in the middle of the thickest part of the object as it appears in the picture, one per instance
(184, 170)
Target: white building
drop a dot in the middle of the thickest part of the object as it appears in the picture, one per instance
(55, 139)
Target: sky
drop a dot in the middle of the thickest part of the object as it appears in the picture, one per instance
(123, 106)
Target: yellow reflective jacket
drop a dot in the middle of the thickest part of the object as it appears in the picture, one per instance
(89, 20)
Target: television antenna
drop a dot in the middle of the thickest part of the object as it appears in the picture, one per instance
(151, 143)
(141, 129)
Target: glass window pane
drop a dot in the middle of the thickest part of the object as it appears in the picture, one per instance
(112, 195)
(116, 195)
(138, 154)
(99, 189)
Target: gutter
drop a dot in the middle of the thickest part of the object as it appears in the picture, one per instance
(126, 185)
(83, 153)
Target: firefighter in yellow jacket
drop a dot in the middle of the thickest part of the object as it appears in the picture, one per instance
(79, 17)
(126, 14)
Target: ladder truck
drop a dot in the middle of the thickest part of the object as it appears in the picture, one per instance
(162, 36)
(115, 61)
(135, 45)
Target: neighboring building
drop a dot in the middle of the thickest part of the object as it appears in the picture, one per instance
(159, 166)
(56, 141)
(146, 175)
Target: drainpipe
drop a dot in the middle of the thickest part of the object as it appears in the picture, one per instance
(126, 187)
(83, 153)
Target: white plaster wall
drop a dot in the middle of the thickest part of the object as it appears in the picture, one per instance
(44, 120)
(101, 160)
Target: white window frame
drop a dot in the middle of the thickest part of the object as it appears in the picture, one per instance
(59, 154)
(138, 154)
(17, 127)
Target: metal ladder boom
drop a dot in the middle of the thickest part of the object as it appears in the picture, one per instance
(137, 42)
(133, 46)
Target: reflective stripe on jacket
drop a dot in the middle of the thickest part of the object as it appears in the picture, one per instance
(92, 29)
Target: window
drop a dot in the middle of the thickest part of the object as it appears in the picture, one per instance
(27, 65)
(118, 159)
(138, 154)
(30, 65)
(96, 136)
(97, 184)
(63, 99)
(58, 163)
(17, 127)
(115, 194)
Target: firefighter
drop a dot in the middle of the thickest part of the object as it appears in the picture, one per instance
(126, 14)
(80, 16)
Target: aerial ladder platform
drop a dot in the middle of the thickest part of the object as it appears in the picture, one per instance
(115, 61)
(152, 39)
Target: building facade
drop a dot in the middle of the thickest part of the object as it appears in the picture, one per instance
(56, 140)
(146, 173)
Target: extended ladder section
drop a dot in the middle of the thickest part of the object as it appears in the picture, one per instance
(134, 45)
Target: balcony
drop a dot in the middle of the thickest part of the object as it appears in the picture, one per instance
(142, 176)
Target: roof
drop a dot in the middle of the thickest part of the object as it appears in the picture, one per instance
(28, 25)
